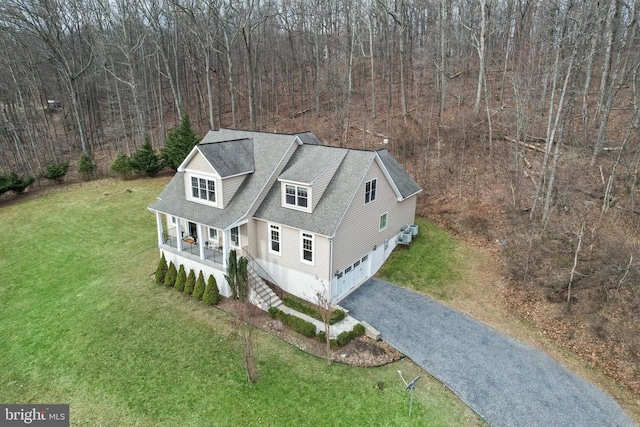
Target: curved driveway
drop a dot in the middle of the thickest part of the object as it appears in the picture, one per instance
(506, 382)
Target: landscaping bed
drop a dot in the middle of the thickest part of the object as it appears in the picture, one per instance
(362, 351)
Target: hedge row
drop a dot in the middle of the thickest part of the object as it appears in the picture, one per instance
(305, 307)
(299, 325)
(308, 329)
(169, 276)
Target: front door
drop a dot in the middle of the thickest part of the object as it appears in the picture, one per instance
(193, 230)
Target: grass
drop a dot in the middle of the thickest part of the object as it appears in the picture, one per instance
(82, 323)
(432, 264)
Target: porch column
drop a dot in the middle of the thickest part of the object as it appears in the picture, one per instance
(225, 248)
(159, 227)
(202, 236)
(179, 243)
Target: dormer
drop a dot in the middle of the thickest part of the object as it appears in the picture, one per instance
(307, 176)
(214, 171)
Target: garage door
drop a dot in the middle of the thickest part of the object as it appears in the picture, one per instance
(351, 276)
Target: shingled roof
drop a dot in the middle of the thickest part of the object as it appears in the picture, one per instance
(261, 156)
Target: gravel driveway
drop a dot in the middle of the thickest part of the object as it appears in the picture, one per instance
(506, 382)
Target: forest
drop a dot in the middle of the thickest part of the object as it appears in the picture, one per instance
(519, 118)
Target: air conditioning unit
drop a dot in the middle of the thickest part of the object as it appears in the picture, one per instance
(405, 237)
(414, 229)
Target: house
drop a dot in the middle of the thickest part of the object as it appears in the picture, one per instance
(310, 218)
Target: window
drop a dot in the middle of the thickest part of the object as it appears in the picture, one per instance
(370, 191)
(235, 237)
(307, 248)
(365, 258)
(173, 220)
(383, 221)
(297, 196)
(302, 197)
(204, 189)
(213, 234)
(274, 239)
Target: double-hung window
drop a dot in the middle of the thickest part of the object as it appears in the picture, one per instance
(204, 189)
(297, 196)
(234, 235)
(370, 191)
(274, 239)
(306, 254)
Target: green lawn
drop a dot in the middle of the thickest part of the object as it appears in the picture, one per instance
(82, 323)
(432, 264)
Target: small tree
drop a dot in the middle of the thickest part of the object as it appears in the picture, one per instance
(198, 291)
(170, 277)
(211, 292)
(191, 282)
(14, 182)
(238, 278)
(181, 280)
(180, 141)
(325, 312)
(146, 160)
(56, 172)
(86, 167)
(232, 273)
(161, 270)
(121, 166)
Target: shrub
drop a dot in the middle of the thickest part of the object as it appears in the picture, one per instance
(14, 182)
(299, 325)
(171, 276)
(146, 160)
(181, 279)
(122, 166)
(359, 330)
(86, 166)
(191, 283)
(180, 141)
(347, 336)
(343, 338)
(198, 291)
(322, 336)
(161, 270)
(56, 172)
(211, 292)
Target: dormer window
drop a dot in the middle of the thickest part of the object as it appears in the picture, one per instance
(203, 190)
(297, 197)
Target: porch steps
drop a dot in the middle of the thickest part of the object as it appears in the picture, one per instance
(264, 295)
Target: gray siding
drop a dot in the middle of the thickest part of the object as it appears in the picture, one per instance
(321, 184)
(199, 164)
(229, 188)
(359, 230)
(289, 258)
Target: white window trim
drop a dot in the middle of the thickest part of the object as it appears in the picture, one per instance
(277, 228)
(283, 190)
(375, 192)
(217, 184)
(311, 236)
(386, 221)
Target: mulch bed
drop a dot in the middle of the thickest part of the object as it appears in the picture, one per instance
(362, 351)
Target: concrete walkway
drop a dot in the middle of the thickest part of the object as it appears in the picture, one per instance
(506, 382)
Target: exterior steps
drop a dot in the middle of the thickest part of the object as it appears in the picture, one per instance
(262, 295)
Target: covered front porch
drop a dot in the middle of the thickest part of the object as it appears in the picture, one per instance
(197, 241)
